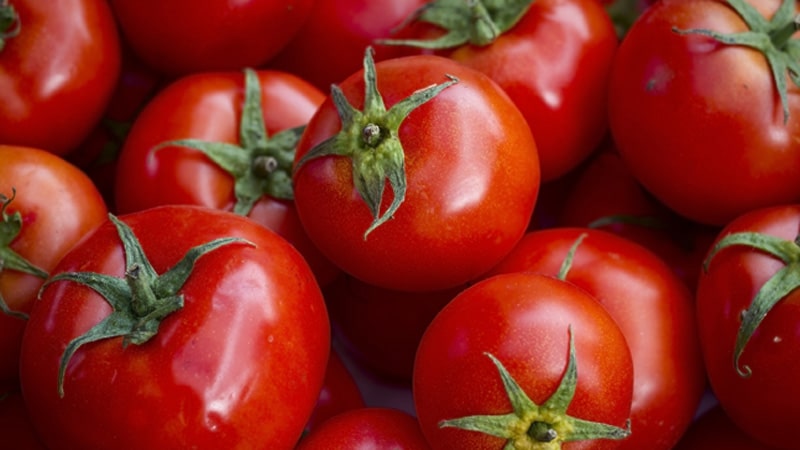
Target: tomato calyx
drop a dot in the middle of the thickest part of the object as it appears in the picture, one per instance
(773, 38)
(9, 23)
(140, 300)
(260, 165)
(475, 22)
(370, 139)
(10, 227)
(777, 287)
(539, 427)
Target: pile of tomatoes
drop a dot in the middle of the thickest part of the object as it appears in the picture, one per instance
(552, 224)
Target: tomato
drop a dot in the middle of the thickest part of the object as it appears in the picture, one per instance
(330, 45)
(47, 206)
(377, 428)
(339, 393)
(702, 124)
(179, 37)
(606, 195)
(527, 360)
(176, 327)
(15, 424)
(461, 168)
(59, 62)
(748, 308)
(652, 307)
(382, 327)
(207, 139)
(714, 429)
(554, 62)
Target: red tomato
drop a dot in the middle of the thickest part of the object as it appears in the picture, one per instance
(558, 358)
(367, 428)
(382, 327)
(554, 63)
(330, 46)
(57, 72)
(15, 424)
(47, 206)
(652, 307)
(748, 308)
(462, 169)
(212, 108)
(339, 393)
(700, 123)
(714, 429)
(180, 37)
(237, 360)
(605, 195)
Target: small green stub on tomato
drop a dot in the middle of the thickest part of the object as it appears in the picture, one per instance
(259, 164)
(776, 288)
(10, 227)
(370, 139)
(140, 300)
(773, 38)
(539, 427)
(474, 22)
(9, 23)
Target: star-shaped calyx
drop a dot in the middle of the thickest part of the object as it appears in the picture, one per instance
(140, 300)
(539, 427)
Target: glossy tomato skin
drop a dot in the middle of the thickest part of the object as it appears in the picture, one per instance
(339, 393)
(208, 107)
(684, 104)
(58, 73)
(375, 428)
(472, 175)
(523, 319)
(714, 429)
(764, 404)
(239, 366)
(59, 205)
(555, 65)
(330, 46)
(652, 307)
(234, 34)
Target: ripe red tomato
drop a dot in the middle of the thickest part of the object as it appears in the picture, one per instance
(47, 206)
(462, 173)
(180, 37)
(227, 349)
(701, 123)
(367, 428)
(241, 128)
(57, 71)
(554, 63)
(525, 360)
(330, 45)
(748, 308)
(652, 307)
(339, 393)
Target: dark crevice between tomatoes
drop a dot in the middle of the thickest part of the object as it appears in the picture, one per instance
(539, 427)
(140, 300)
(773, 38)
(474, 22)
(260, 165)
(777, 287)
(370, 139)
(9, 23)
(10, 227)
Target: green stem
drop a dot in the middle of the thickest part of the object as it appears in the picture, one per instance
(10, 24)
